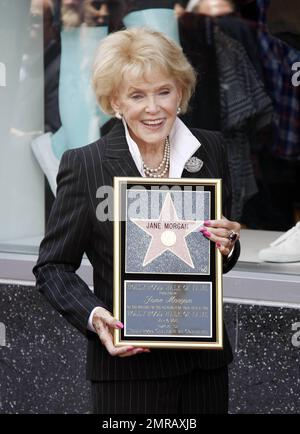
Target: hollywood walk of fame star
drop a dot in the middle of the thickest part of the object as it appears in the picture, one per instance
(168, 232)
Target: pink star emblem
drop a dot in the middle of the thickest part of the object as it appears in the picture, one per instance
(168, 232)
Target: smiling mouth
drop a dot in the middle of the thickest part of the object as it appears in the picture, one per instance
(153, 124)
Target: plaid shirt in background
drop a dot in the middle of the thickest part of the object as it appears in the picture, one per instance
(277, 60)
(245, 109)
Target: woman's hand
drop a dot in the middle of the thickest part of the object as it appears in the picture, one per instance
(104, 324)
(223, 232)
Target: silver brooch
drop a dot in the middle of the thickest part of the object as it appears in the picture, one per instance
(193, 165)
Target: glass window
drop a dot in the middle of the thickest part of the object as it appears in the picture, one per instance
(246, 54)
(22, 119)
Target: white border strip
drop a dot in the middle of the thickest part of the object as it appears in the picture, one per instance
(260, 303)
(240, 287)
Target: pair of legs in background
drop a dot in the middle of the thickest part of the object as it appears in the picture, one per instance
(197, 392)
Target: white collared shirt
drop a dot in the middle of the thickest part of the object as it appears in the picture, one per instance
(183, 145)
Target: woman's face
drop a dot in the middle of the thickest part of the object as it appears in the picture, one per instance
(149, 107)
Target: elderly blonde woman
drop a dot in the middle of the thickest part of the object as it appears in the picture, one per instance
(144, 80)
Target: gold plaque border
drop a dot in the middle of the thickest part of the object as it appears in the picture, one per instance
(218, 343)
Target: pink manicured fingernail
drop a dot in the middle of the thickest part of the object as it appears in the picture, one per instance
(119, 325)
(218, 244)
(207, 222)
(207, 234)
(202, 230)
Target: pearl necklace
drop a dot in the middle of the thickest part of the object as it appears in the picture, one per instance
(164, 164)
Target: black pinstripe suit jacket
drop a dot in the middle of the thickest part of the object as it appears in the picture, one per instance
(73, 229)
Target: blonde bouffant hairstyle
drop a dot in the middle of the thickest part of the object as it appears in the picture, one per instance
(139, 52)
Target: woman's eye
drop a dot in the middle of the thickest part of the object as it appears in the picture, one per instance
(136, 96)
(164, 92)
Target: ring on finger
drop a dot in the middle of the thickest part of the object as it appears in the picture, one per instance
(232, 236)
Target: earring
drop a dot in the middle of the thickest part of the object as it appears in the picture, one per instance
(178, 110)
(118, 115)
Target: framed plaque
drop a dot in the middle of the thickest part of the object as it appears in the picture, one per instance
(167, 275)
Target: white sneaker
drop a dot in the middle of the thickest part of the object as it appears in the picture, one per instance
(285, 249)
(44, 154)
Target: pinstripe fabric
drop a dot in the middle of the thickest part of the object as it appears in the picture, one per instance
(73, 229)
(198, 392)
